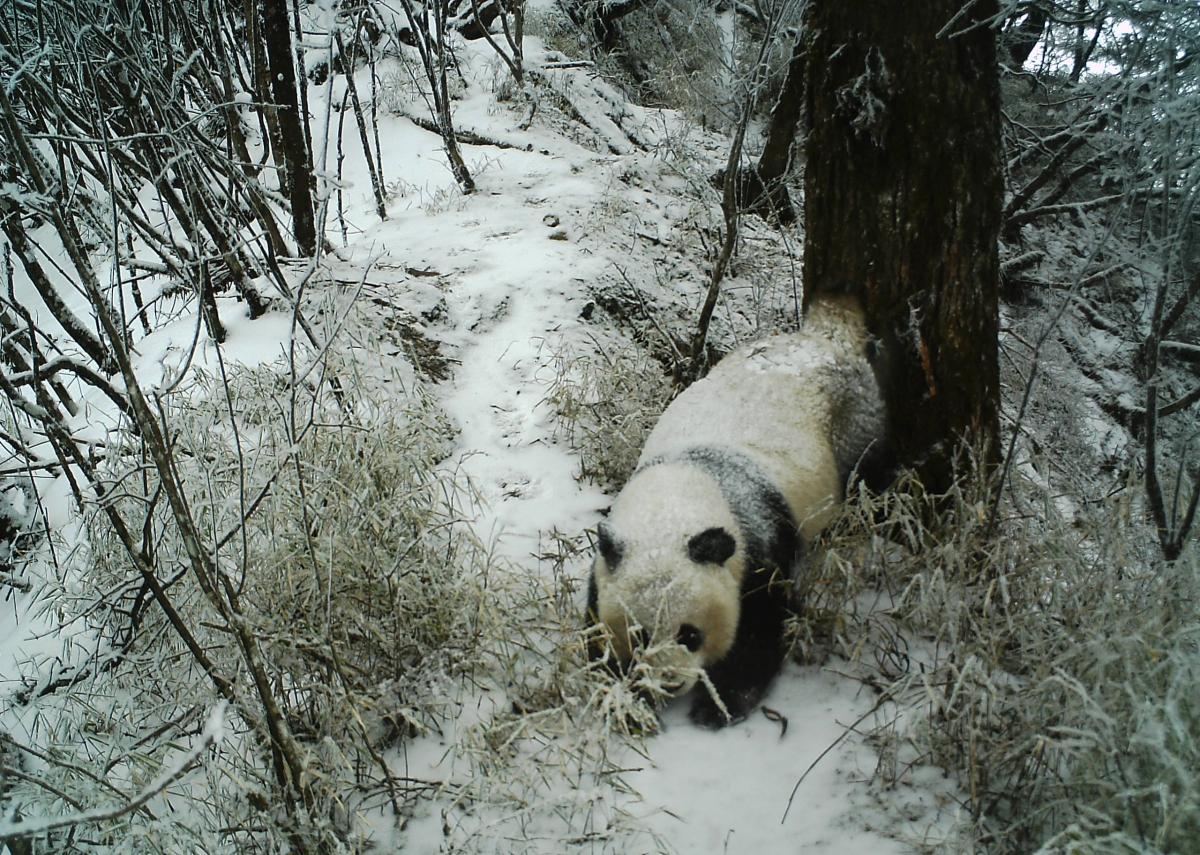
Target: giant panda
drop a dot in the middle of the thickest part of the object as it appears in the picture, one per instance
(693, 564)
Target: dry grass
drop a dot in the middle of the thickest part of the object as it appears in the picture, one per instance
(355, 569)
(1055, 662)
(607, 403)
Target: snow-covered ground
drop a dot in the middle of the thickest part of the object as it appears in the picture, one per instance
(499, 280)
(518, 262)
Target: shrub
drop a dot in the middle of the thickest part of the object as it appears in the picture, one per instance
(607, 403)
(1056, 660)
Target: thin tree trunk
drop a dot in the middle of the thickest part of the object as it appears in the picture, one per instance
(262, 86)
(445, 120)
(1022, 38)
(88, 342)
(277, 34)
(431, 44)
(376, 183)
(1082, 58)
(776, 159)
(902, 208)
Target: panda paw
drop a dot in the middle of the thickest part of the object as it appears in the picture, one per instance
(706, 713)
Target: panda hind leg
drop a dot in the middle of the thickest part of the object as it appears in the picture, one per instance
(879, 466)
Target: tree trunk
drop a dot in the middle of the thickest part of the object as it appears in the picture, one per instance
(261, 76)
(776, 159)
(277, 35)
(1023, 37)
(902, 209)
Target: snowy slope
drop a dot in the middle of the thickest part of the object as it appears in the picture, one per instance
(517, 262)
(501, 283)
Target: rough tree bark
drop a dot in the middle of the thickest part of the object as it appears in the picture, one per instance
(902, 208)
(277, 35)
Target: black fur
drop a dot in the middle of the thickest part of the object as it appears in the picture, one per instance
(610, 547)
(711, 546)
(772, 545)
(876, 468)
(597, 646)
(690, 636)
(593, 601)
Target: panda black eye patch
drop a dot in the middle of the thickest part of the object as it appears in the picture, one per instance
(690, 637)
(711, 546)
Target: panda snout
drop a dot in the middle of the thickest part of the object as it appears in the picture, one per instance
(690, 637)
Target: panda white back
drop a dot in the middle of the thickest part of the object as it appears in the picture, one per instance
(803, 406)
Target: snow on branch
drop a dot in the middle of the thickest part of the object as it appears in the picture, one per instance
(1019, 219)
(80, 369)
(214, 731)
(1182, 350)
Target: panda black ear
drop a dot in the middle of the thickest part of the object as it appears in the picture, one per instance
(711, 546)
(609, 547)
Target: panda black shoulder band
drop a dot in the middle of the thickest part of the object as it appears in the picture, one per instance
(756, 503)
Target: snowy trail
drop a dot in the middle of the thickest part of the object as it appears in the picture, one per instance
(510, 308)
(514, 263)
(507, 441)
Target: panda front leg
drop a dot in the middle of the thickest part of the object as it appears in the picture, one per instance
(742, 678)
(597, 644)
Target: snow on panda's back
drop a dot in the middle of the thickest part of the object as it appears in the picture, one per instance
(777, 401)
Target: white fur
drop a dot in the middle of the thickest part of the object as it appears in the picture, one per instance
(657, 585)
(802, 407)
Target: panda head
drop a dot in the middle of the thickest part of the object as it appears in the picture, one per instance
(668, 573)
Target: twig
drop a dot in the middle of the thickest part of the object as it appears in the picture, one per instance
(1181, 404)
(376, 183)
(886, 696)
(213, 732)
(463, 136)
(14, 581)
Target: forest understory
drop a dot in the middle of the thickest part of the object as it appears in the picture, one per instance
(308, 430)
